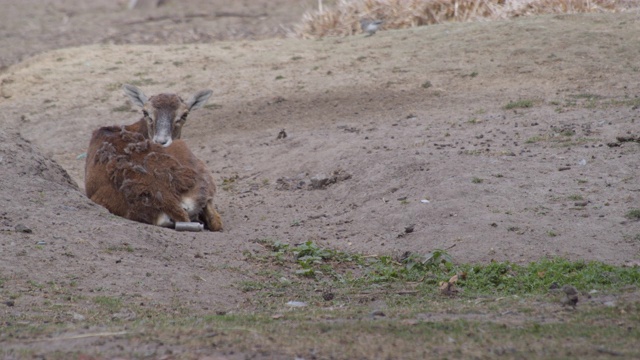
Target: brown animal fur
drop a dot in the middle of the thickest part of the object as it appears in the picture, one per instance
(143, 172)
(139, 180)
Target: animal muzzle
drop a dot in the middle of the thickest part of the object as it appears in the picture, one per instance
(162, 140)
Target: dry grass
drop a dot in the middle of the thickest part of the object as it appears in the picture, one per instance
(343, 19)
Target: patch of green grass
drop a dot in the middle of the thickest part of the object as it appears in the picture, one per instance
(248, 286)
(117, 248)
(633, 214)
(535, 139)
(427, 84)
(520, 104)
(477, 180)
(499, 278)
(142, 82)
(121, 108)
(279, 77)
(213, 106)
(575, 197)
(538, 277)
(113, 87)
(564, 140)
(633, 103)
(589, 101)
(587, 96)
(35, 284)
(228, 183)
(109, 303)
(567, 132)
(502, 310)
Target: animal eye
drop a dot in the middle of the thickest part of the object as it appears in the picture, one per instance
(145, 113)
(184, 116)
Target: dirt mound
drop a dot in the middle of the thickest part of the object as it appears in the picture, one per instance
(58, 245)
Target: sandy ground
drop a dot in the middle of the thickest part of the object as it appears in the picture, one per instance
(409, 127)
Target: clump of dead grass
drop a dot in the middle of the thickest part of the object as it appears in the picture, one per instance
(343, 19)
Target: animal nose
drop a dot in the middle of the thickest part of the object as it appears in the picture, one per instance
(163, 141)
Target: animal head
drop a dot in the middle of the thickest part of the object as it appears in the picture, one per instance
(165, 114)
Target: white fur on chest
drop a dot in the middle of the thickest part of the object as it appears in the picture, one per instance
(189, 205)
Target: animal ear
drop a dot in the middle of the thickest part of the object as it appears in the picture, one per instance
(199, 99)
(136, 95)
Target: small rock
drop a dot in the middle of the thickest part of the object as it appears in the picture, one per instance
(282, 135)
(377, 313)
(10, 303)
(581, 203)
(297, 303)
(569, 290)
(409, 229)
(23, 229)
(319, 181)
(328, 295)
(571, 298)
(78, 317)
(410, 322)
(41, 243)
(124, 315)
